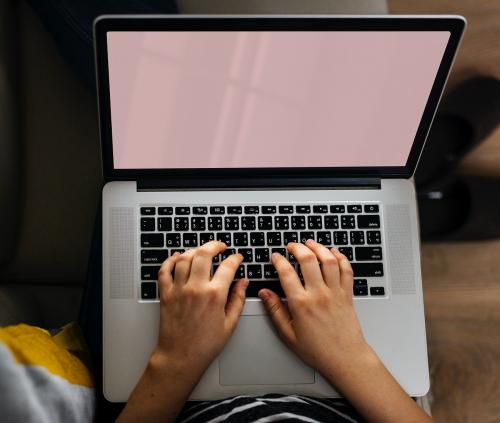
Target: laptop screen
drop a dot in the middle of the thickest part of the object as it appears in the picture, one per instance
(234, 99)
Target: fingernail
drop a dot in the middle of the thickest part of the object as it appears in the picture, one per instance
(245, 283)
(263, 295)
(276, 254)
(309, 241)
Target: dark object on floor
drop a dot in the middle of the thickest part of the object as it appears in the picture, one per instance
(460, 208)
(466, 116)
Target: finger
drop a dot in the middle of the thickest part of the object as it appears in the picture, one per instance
(329, 263)
(309, 265)
(279, 314)
(183, 266)
(227, 270)
(289, 279)
(202, 260)
(235, 303)
(165, 279)
(346, 272)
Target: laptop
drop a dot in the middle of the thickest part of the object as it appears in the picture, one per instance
(259, 131)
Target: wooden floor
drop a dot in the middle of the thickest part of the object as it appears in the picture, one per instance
(462, 280)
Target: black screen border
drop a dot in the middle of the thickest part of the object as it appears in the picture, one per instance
(454, 24)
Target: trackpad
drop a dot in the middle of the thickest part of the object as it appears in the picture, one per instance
(256, 356)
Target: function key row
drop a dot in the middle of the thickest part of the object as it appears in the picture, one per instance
(302, 209)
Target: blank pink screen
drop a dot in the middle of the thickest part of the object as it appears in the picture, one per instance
(268, 99)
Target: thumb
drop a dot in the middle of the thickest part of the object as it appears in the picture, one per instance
(235, 303)
(279, 314)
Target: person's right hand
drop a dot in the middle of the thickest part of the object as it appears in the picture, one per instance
(319, 323)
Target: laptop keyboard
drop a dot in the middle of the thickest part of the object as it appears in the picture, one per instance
(257, 231)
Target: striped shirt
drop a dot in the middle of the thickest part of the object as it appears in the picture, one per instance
(270, 408)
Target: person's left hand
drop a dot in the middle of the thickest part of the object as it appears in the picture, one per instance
(196, 316)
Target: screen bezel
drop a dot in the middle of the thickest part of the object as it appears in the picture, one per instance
(454, 24)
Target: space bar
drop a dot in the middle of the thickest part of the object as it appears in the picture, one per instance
(256, 285)
(367, 269)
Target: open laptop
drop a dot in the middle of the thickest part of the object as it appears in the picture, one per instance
(259, 131)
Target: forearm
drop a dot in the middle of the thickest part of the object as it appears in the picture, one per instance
(373, 391)
(160, 393)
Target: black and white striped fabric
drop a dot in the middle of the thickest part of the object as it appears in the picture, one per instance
(271, 408)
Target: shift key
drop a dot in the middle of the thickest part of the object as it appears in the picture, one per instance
(368, 253)
(367, 269)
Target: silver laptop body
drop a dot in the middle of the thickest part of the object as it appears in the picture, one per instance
(367, 208)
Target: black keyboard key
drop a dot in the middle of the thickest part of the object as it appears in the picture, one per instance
(257, 239)
(165, 210)
(270, 272)
(265, 223)
(165, 224)
(254, 271)
(206, 237)
(298, 222)
(198, 224)
(227, 252)
(215, 223)
(149, 273)
(190, 240)
(371, 208)
(217, 210)
(173, 240)
(285, 209)
(231, 223)
(262, 255)
(273, 285)
(251, 209)
(200, 210)
(368, 253)
(177, 250)
(354, 208)
(281, 223)
(331, 222)
(147, 224)
(148, 211)
(337, 209)
(373, 237)
(369, 221)
(268, 209)
(314, 222)
(324, 237)
(303, 209)
(273, 238)
(152, 240)
(347, 251)
(357, 237)
(304, 236)
(290, 237)
(320, 209)
(153, 256)
(240, 272)
(248, 223)
(347, 221)
(291, 258)
(148, 291)
(183, 210)
(281, 250)
(367, 269)
(181, 223)
(225, 237)
(377, 290)
(240, 239)
(247, 254)
(340, 238)
(234, 210)
(360, 282)
(360, 291)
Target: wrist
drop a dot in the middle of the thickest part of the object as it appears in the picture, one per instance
(171, 367)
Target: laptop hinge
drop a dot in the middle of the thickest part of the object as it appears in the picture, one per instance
(257, 183)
